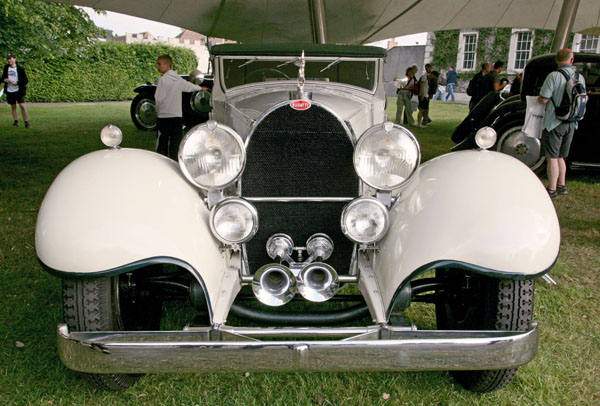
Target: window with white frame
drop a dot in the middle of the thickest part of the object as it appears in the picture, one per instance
(467, 51)
(588, 43)
(521, 44)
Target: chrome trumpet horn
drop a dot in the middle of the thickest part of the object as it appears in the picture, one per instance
(274, 284)
(318, 282)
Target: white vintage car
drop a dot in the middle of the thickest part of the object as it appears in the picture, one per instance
(295, 229)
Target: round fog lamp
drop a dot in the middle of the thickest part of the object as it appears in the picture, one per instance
(485, 137)
(365, 220)
(212, 155)
(386, 156)
(111, 136)
(234, 221)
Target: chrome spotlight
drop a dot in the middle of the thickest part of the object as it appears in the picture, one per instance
(280, 246)
(318, 282)
(319, 246)
(274, 285)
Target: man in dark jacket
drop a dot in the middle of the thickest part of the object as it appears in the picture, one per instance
(15, 86)
(478, 86)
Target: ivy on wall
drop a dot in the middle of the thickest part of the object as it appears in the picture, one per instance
(445, 46)
(492, 44)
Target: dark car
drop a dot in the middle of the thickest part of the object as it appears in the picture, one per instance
(507, 115)
(195, 105)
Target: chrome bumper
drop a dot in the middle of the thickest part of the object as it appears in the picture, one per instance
(376, 348)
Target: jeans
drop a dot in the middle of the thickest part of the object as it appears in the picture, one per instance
(404, 101)
(450, 90)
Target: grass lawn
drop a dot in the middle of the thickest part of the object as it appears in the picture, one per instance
(565, 372)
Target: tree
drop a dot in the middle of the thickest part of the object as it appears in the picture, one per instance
(42, 30)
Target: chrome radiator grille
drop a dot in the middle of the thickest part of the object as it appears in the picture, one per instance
(299, 154)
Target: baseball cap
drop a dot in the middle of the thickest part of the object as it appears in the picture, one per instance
(10, 56)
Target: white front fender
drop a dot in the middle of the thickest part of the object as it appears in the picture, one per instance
(113, 208)
(475, 209)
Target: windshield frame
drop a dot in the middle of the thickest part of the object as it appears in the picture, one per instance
(283, 60)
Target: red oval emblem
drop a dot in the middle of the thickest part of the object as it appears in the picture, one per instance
(300, 104)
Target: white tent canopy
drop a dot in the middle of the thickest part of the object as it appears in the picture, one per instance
(347, 21)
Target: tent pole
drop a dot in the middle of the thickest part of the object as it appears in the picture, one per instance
(317, 16)
(565, 24)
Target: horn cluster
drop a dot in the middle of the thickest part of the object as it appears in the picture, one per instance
(276, 284)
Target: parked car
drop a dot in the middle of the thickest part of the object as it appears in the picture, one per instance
(507, 116)
(195, 105)
(293, 233)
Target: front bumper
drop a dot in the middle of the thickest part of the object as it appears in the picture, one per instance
(377, 348)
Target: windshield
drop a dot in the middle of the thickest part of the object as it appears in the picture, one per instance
(241, 71)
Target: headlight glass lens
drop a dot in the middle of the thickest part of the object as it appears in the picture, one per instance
(485, 137)
(212, 155)
(386, 156)
(365, 220)
(234, 221)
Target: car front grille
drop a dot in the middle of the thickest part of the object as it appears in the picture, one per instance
(295, 154)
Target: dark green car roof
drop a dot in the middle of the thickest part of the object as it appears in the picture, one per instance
(353, 51)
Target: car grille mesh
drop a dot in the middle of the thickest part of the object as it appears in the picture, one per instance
(299, 154)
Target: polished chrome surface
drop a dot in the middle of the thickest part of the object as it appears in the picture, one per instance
(145, 113)
(211, 350)
(319, 246)
(280, 245)
(274, 285)
(516, 143)
(318, 282)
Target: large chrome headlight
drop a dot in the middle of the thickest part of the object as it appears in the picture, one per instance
(365, 220)
(234, 220)
(386, 156)
(212, 155)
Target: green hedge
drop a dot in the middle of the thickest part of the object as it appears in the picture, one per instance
(105, 71)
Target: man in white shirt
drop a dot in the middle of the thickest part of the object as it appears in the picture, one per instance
(15, 86)
(168, 107)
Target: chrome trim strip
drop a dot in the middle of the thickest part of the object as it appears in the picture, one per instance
(299, 199)
(213, 350)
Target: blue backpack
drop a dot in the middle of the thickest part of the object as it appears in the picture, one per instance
(574, 100)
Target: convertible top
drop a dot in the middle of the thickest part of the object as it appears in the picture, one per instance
(354, 51)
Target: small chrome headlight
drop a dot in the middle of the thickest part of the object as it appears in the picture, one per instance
(485, 137)
(365, 220)
(234, 220)
(386, 156)
(212, 155)
(111, 136)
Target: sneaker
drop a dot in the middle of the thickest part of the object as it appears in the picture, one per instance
(27, 125)
(552, 193)
(427, 121)
(562, 189)
(420, 125)
(16, 123)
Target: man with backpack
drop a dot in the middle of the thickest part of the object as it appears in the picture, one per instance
(564, 88)
(477, 86)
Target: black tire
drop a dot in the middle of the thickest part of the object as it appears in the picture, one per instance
(143, 113)
(102, 304)
(475, 302)
(513, 142)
